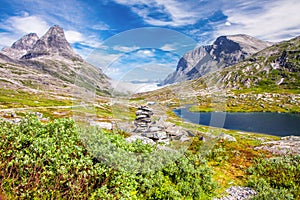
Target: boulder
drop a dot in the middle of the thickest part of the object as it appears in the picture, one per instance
(160, 135)
(144, 140)
(105, 125)
(226, 137)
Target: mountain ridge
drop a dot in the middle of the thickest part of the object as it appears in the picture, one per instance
(224, 52)
(49, 55)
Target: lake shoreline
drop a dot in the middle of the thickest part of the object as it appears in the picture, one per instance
(269, 123)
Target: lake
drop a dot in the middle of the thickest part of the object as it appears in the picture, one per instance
(279, 124)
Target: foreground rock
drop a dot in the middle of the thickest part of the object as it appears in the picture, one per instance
(286, 145)
(226, 137)
(144, 140)
(238, 193)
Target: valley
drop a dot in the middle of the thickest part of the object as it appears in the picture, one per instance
(63, 129)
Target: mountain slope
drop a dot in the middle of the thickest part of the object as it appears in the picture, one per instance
(224, 52)
(276, 67)
(267, 81)
(48, 64)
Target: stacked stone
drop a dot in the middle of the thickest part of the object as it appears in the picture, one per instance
(143, 119)
(158, 131)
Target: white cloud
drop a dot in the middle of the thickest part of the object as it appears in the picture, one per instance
(272, 20)
(168, 47)
(7, 39)
(25, 24)
(17, 26)
(74, 36)
(101, 26)
(179, 13)
(125, 48)
(146, 53)
(227, 23)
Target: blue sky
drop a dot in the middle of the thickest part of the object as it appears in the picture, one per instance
(89, 24)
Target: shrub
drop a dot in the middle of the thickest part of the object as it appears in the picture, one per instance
(50, 161)
(276, 178)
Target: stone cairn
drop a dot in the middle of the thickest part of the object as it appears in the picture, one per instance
(159, 131)
(143, 119)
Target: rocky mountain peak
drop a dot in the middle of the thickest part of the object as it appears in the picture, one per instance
(26, 42)
(224, 46)
(224, 52)
(21, 46)
(53, 42)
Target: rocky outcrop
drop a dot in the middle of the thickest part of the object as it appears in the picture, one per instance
(286, 145)
(224, 52)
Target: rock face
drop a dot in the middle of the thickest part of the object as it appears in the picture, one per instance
(224, 52)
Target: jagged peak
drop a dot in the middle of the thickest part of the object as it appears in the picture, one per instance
(26, 42)
(53, 42)
(55, 30)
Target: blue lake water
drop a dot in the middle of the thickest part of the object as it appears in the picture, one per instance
(279, 124)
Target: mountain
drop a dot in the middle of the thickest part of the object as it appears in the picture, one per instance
(224, 52)
(276, 67)
(20, 47)
(48, 63)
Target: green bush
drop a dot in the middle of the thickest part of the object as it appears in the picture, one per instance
(276, 178)
(56, 161)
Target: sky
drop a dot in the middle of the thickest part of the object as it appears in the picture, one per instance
(142, 40)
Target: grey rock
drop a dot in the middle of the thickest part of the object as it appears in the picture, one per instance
(155, 135)
(287, 145)
(154, 129)
(38, 114)
(13, 115)
(144, 140)
(190, 133)
(184, 138)
(17, 120)
(226, 137)
(291, 138)
(104, 125)
(238, 193)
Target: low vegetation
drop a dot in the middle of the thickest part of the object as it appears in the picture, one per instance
(50, 161)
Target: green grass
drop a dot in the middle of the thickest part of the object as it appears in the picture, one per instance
(20, 99)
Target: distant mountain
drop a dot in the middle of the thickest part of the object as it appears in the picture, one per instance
(46, 61)
(224, 52)
(277, 66)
